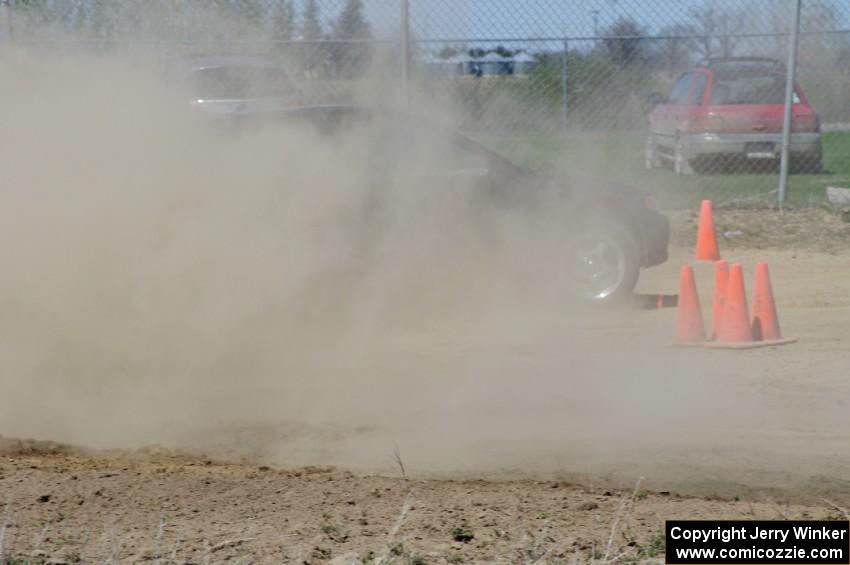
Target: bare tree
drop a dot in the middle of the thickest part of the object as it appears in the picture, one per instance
(676, 47)
(716, 29)
(624, 42)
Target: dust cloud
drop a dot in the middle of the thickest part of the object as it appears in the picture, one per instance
(151, 256)
(255, 294)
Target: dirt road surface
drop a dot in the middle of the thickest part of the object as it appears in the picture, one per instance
(549, 393)
(561, 414)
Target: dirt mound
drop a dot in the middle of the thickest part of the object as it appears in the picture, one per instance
(28, 447)
(75, 509)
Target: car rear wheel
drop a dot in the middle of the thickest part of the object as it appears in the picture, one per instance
(681, 165)
(603, 262)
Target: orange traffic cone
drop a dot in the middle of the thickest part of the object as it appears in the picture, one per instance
(721, 279)
(735, 330)
(690, 328)
(765, 320)
(735, 327)
(707, 249)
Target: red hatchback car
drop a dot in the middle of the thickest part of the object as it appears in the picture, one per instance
(730, 111)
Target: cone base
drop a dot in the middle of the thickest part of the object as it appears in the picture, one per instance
(748, 344)
(688, 344)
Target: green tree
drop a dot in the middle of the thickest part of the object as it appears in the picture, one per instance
(101, 19)
(352, 23)
(311, 28)
(352, 52)
(624, 43)
(313, 53)
(35, 12)
(283, 20)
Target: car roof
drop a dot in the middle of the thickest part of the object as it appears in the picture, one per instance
(201, 62)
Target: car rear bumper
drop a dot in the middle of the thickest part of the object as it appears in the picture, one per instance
(656, 238)
(744, 144)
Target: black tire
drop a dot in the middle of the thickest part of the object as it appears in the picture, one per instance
(616, 248)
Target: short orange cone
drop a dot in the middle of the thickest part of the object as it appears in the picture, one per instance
(690, 328)
(707, 249)
(721, 279)
(765, 319)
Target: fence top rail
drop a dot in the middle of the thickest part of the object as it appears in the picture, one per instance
(102, 41)
(562, 38)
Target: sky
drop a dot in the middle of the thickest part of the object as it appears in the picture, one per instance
(499, 19)
(548, 18)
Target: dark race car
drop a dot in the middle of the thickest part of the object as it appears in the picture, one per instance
(610, 231)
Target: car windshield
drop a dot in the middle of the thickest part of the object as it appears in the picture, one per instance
(748, 89)
(435, 150)
(230, 82)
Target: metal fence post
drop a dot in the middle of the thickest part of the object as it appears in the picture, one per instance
(789, 103)
(405, 54)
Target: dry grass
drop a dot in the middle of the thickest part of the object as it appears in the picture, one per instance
(816, 228)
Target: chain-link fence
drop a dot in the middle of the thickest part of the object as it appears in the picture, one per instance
(687, 97)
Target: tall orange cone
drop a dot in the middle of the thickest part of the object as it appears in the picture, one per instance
(690, 328)
(735, 330)
(721, 279)
(736, 317)
(707, 249)
(765, 319)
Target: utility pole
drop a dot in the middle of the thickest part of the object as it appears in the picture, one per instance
(405, 54)
(565, 72)
(787, 121)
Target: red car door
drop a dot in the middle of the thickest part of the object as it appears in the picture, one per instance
(667, 118)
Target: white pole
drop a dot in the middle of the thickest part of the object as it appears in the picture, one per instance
(789, 103)
(405, 54)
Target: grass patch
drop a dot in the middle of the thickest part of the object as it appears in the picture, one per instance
(463, 534)
(655, 547)
(619, 157)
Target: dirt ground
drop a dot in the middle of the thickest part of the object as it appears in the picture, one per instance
(610, 432)
(65, 506)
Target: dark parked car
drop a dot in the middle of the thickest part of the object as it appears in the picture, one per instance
(731, 110)
(610, 231)
(235, 84)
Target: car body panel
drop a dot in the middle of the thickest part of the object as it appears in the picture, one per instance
(235, 84)
(754, 145)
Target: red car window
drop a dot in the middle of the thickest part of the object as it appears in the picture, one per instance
(681, 90)
(732, 89)
(698, 91)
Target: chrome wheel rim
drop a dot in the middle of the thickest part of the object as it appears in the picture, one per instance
(599, 266)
